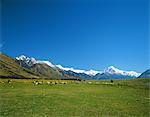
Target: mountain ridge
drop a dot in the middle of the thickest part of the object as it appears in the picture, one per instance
(29, 67)
(10, 69)
(110, 71)
(145, 74)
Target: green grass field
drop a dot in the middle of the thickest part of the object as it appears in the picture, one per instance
(22, 98)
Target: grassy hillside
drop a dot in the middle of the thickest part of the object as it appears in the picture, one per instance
(126, 98)
(46, 71)
(12, 69)
(9, 68)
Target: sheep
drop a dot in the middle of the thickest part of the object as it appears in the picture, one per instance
(97, 83)
(36, 82)
(89, 82)
(63, 82)
(107, 83)
(40, 82)
(53, 82)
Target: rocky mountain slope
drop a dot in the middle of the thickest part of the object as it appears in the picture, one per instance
(10, 69)
(44, 68)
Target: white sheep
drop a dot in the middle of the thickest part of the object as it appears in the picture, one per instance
(89, 82)
(97, 83)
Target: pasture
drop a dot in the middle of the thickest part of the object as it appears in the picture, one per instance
(56, 98)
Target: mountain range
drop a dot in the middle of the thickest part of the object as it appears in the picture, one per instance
(26, 67)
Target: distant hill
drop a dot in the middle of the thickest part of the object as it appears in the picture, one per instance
(145, 74)
(9, 68)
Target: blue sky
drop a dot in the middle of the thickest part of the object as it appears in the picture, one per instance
(85, 34)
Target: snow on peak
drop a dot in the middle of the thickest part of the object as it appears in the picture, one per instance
(114, 70)
(110, 69)
(27, 60)
(133, 73)
(21, 57)
(88, 72)
(31, 61)
(46, 62)
(92, 72)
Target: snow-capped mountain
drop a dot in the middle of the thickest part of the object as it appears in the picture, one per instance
(115, 73)
(114, 70)
(45, 69)
(110, 70)
(28, 61)
(31, 61)
(88, 72)
(109, 73)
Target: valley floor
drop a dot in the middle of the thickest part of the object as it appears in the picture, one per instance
(23, 98)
